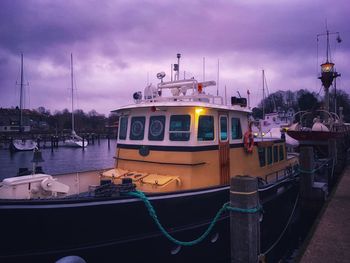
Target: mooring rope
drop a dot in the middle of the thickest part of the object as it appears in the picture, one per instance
(153, 214)
(316, 169)
(285, 228)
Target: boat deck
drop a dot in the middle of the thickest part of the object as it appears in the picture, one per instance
(330, 241)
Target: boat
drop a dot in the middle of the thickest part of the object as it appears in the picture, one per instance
(22, 143)
(274, 124)
(74, 140)
(179, 146)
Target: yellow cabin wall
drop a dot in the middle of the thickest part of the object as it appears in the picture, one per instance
(191, 176)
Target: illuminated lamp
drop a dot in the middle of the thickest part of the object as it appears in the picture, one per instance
(327, 67)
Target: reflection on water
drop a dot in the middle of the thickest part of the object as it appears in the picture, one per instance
(61, 160)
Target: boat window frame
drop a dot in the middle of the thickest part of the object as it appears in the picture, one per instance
(269, 155)
(131, 135)
(171, 132)
(238, 127)
(281, 152)
(162, 133)
(120, 127)
(275, 154)
(200, 117)
(262, 154)
(227, 128)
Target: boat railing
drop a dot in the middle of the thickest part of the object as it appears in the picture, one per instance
(207, 98)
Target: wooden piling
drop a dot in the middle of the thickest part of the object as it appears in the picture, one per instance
(244, 227)
(109, 141)
(306, 159)
(52, 143)
(83, 143)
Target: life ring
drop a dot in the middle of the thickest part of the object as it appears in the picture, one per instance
(248, 141)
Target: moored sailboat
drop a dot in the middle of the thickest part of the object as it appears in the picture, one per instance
(74, 140)
(22, 143)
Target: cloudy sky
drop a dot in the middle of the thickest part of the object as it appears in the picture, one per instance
(119, 45)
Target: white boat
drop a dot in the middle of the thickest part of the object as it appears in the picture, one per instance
(74, 140)
(275, 124)
(22, 144)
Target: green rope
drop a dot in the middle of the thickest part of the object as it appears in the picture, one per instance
(153, 214)
(313, 170)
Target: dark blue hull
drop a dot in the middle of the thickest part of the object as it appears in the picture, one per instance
(121, 229)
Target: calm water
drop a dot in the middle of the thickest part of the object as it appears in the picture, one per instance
(61, 160)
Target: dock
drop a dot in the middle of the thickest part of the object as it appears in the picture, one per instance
(330, 238)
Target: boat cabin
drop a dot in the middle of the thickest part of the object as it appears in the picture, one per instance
(191, 141)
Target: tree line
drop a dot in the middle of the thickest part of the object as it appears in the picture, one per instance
(302, 100)
(91, 121)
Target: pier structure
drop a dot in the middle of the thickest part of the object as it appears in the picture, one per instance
(330, 238)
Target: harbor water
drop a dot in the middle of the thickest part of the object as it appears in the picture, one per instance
(61, 160)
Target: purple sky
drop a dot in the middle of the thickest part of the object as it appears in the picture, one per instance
(115, 45)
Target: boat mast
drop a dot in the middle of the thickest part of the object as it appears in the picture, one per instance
(263, 101)
(21, 98)
(328, 73)
(71, 74)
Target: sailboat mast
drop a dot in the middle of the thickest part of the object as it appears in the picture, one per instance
(71, 74)
(21, 98)
(263, 101)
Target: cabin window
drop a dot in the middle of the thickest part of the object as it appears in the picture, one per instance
(205, 128)
(123, 128)
(269, 155)
(281, 152)
(275, 153)
(262, 158)
(137, 128)
(236, 130)
(180, 127)
(156, 128)
(223, 128)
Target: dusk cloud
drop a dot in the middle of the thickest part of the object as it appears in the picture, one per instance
(116, 44)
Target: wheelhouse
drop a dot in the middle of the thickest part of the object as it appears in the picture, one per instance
(186, 142)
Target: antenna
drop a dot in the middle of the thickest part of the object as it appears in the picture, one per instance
(203, 68)
(178, 55)
(217, 79)
(171, 70)
(225, 96)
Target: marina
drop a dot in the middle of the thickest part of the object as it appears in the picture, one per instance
(182, 132)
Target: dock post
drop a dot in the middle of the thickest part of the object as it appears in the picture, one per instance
(52, 143)
(307, 165)
(109, 141)
(84, 142)
(98, 139)
(244, 227)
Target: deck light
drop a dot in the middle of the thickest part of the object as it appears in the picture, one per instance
(199, 110)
